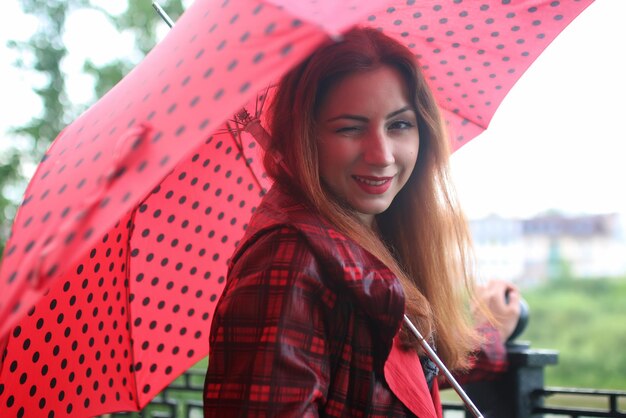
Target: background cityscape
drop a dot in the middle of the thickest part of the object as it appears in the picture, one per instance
(532, 250)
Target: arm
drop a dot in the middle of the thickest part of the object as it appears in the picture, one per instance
(502, 300)
(268, 348)
(486, 363)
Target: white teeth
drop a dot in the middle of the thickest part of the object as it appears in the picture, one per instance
(371, 182)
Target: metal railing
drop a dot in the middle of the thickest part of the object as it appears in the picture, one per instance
(520, 393)
(611, 400)
(182, 398)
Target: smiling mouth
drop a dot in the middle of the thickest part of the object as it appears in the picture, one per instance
(373, 185)
(372, 181)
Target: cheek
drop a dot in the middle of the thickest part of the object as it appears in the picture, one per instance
(330, 168)
(410, 158)
(324, 145)
(336, 155)
(326, 162)
(414, 156)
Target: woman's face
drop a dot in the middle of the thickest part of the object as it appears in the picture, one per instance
(367, 140)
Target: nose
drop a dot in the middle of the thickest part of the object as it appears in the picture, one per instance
(378, 149)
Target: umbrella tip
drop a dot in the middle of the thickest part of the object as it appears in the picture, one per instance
(162, 13)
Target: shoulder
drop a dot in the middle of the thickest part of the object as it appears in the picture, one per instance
(297, 252)
(278, 262)
(279, 247)
(278, 283)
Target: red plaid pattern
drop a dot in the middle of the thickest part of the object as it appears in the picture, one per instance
(490, 361)
(304, 325)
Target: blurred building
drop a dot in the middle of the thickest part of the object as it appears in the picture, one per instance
(549, 246)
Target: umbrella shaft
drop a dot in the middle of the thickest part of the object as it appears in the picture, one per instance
(163, 14)
(433, 356)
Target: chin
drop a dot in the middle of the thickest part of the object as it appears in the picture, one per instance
(371, 209)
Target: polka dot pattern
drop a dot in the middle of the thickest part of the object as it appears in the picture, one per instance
(118, 164)
(72, 351)
(473, 52)
(119, 250)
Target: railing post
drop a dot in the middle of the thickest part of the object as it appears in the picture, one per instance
(510, 395)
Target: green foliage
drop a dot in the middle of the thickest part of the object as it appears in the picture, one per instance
(141, 19)
(585, 320)
(9, 176)
(108, 75)
(46, 51)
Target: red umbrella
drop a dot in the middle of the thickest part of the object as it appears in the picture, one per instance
(119, 249)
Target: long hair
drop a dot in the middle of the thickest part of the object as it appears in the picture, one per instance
(423, 236)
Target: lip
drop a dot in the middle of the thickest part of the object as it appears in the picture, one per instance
(372, 184)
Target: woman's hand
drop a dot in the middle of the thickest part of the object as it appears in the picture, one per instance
(502, 299)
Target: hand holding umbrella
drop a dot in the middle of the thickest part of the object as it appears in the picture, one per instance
(505, 306)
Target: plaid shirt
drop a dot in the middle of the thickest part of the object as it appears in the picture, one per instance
(306, 325)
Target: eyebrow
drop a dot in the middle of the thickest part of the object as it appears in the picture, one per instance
(364, 119)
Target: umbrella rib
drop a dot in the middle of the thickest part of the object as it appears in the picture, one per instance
(131, 225)
(234, 134)
(257, 111)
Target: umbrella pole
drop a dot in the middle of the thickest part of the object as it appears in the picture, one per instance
(433, 356)
(163, 14)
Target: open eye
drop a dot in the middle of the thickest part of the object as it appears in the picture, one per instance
(401, 124)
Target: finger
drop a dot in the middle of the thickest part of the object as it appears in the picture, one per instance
(512, 287)
(500, 284)
(513, 296)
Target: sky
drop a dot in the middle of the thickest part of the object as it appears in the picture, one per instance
(556, 142)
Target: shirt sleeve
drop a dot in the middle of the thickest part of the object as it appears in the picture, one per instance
(269, 355)
(487, 363)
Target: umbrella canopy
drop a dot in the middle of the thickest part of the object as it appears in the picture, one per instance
(119, 250)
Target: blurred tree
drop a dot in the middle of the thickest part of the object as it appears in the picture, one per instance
(584, 320)
(142, 21)
(9, 177)
(43, 54)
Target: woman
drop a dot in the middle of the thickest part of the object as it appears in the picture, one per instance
(360, 227)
